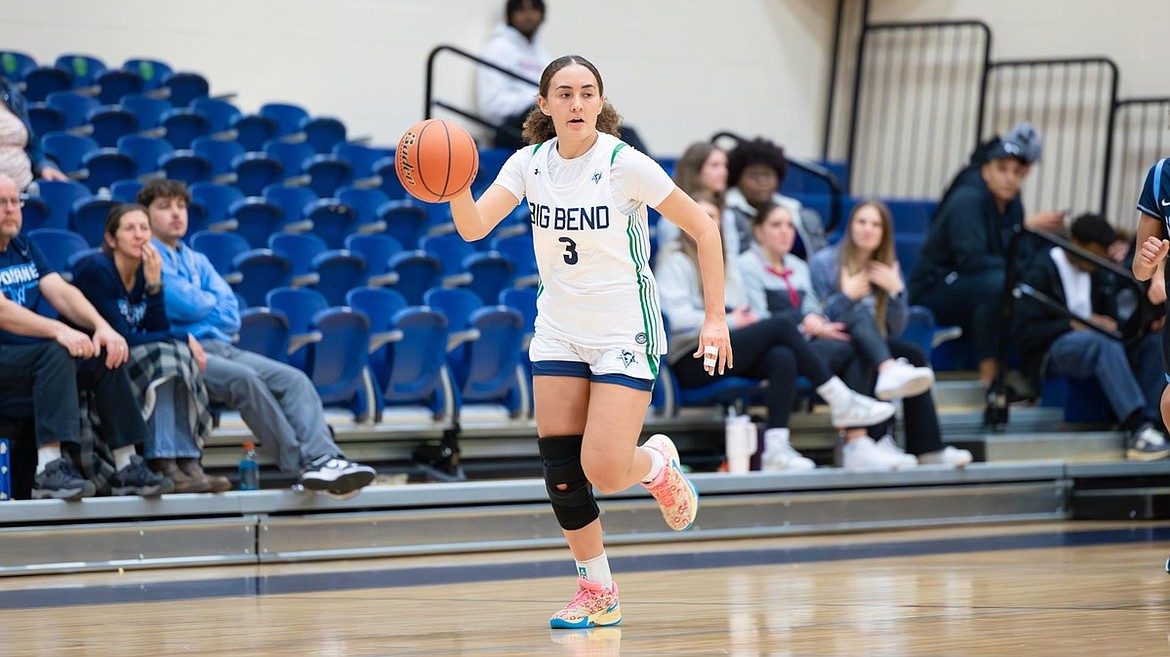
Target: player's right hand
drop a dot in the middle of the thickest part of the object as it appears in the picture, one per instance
(1153, 251)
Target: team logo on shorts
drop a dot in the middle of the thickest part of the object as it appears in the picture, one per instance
(628, 358)
(640, 338)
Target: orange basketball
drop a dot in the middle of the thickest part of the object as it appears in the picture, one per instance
(436, 160)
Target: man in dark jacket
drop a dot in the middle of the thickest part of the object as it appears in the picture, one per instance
(1053, 344)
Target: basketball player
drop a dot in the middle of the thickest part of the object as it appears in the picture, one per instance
(599, 334)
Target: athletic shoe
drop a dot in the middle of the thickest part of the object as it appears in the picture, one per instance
(886, 443)
(785, 458)
(677, 497)
(335, 474)
(61, 481)
(901, 379)
(137, 479)
(863, 454)
(593, 606)
(1147, 444)
(860, 411)
(947, 456)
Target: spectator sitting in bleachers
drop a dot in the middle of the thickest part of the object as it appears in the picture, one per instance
(21, 157)
(862, 274)
(702, 169)
(1051, 343)
(961, 268)
(770, 347)
(124, 283)
(50, 361)
(777, 282)
(755, 171)
(277, 402)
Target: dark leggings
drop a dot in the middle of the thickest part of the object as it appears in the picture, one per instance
(973, 302)
(772, 349)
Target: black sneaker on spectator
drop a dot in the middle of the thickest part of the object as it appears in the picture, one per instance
(138, 479)
(1147, 444)
(336, 475)
(61, 481)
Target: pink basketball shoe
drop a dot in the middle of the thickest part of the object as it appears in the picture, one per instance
(677, 497)
(593, 606)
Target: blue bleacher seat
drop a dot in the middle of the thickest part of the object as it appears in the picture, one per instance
(338, 271)
(88, 218)
(292, 201)
(73, 106)
(337, 363)
(221, 249)
(323, 133)
(299, 305)
(111, 123)
(15, 64)
(219, 154)
(253, 131)
(291, 155)
(68, 150)
(260, 270)
(60, 195)
(417, 272)
(220, 114)
(45, 119)
(126, 191)
(107, 166)
(377, 249)
(118, 82)
(186, 165)
(378, 303)
(35, 213)
(183, 126)
(327, 173)
(152, 71)
(451, 251)
(365, 203)
(519, 249)
(388, 179)
(146, 108)
(332, 221)
(257, 219)
(217, 199)
(85, 68)
(287, 116)
(44, 80)
(264, 331)
(255, 170)
(524, 301)
(300, 249)
(145, 151)
(185, 87)
(491, 272)
(911, 216)
(362, 158)
(58, 246)
(413, 371)
(405, 221)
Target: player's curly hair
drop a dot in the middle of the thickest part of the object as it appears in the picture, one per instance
(538, 126)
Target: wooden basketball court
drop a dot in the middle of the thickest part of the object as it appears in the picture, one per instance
(1052, 588)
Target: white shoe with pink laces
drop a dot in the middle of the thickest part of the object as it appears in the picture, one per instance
(677, 497)
(593, 606)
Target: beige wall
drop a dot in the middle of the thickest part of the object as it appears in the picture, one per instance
(678, 69)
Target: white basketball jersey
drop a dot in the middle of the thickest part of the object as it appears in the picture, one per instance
(597, 289)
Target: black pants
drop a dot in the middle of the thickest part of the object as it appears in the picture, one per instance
(47, 373)
(973, 302)
(774, 349)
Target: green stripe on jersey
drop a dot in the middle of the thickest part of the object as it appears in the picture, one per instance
(647, 299)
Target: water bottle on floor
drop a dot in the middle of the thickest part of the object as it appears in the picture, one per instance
(249, 471)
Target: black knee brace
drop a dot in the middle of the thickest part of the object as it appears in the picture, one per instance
(574, 505)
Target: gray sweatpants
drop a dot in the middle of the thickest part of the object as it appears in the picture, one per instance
(277, 402)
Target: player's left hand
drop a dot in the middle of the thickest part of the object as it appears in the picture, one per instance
(715, 346)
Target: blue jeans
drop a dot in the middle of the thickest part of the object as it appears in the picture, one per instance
(1084, 354)
(170, 428)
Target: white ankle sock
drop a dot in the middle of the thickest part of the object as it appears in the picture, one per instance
(775, 439)
(834, 391)
(596, 570)
(656, 465)
(46, 455)
(122, 457)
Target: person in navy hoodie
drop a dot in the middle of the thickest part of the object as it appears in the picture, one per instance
(124, 283)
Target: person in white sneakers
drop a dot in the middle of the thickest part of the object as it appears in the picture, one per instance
(778, 283)
(770, 347)
(859, 281)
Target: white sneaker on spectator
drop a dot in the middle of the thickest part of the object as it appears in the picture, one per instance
(1147, 444)
(901, 379)
(864, 454)
(947, 456)
(860, 411)
(887, 444)
(785, 458)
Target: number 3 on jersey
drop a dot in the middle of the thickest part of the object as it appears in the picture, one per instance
(570, 251)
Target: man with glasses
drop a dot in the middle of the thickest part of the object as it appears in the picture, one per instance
(49, 360)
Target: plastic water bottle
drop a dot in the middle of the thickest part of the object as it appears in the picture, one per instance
(740, 442)
(249, 471)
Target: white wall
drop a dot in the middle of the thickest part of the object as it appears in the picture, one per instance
(678, 70)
